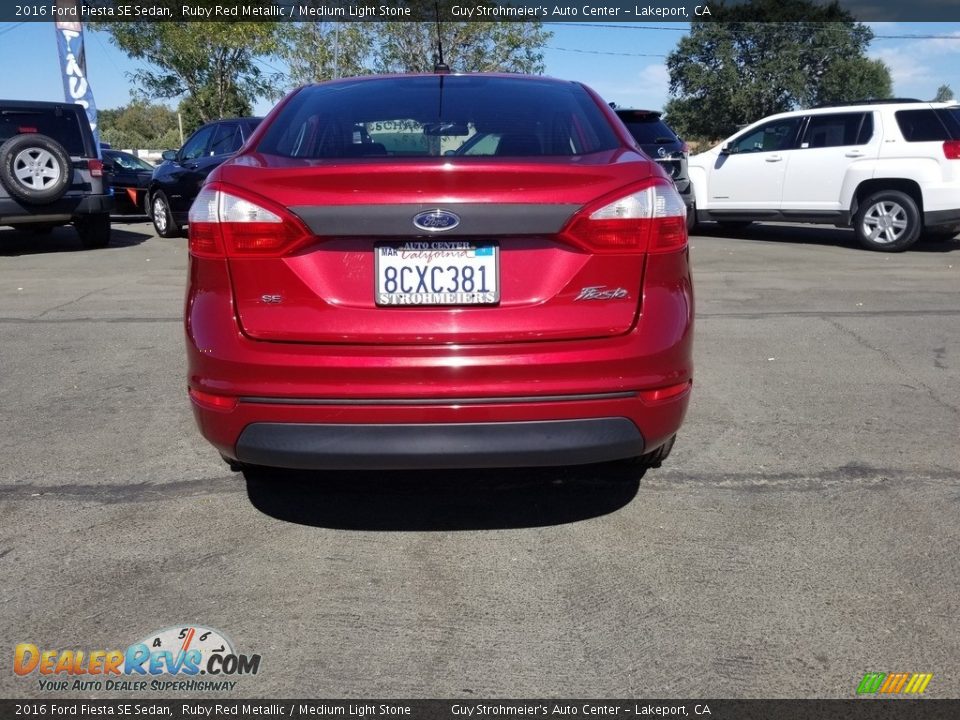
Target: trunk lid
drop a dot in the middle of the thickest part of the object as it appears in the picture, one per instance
(325, 291)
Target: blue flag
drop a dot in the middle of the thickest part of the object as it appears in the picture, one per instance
(73, 68)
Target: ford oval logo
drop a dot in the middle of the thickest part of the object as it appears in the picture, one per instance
(436, 220)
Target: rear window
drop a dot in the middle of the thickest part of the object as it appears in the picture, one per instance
(928, 125)
(837, 130)
(435, 116)
(62, 126)
(647, 128)
(951, 119)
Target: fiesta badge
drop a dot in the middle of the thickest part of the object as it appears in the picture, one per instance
(436, 220)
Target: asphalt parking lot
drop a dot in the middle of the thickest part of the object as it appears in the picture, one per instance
(804, 531)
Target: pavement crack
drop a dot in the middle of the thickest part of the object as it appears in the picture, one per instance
(905, 372)
(74, 300)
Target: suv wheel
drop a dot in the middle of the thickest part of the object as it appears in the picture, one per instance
(888, 221)
(94, 231)
(35, 169)
(163, 221)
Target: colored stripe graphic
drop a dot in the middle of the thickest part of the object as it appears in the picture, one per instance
(894, 683)
(870, 683)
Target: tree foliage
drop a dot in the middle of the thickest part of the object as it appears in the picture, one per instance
(216, 64)
(317, 51)
(944, 94)
(723, 75)
(324, 50)
(140, 125)
(467, 46)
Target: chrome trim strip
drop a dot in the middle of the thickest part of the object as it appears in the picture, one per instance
(437, 401)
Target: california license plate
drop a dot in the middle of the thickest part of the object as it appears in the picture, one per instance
(438, 272)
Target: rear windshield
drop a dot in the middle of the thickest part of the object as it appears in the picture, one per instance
(647, 128)
(929, 125)
(62, 126)
(435, 116)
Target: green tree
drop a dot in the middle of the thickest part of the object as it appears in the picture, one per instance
(944, 94)
(316, 51)
(324, 50)
(467, 46)
(214, 63)
(190, 108)
(140, 125)
(725, 74)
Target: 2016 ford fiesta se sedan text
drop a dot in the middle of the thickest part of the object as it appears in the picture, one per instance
(439, 271)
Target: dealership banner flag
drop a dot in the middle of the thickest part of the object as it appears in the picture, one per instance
(73, 69)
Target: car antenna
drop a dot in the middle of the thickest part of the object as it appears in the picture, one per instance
(439, 66)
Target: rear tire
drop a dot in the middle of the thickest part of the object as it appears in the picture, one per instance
(94, 231)
(162, 215)
(234, 465)
(887, 221)
(652, 459)
(691, 218)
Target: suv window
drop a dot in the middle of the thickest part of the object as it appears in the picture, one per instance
(226, 139)
(921, 126)
(61, 126)
(197, 144)
(776, 135)
(647, 127)
(837, 130)
(433, 116)
(951, 118)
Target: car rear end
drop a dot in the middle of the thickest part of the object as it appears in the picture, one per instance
(662, 144)
(51, 172)
(370, 299)
(931, 132)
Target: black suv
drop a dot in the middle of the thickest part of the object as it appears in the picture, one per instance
(662, 144)
(176, 182)
(50, 171)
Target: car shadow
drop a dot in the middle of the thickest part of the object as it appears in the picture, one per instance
(15, 242)
(442, 500)
(823, 235)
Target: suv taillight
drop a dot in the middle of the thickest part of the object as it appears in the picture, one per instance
(95, 167)
(650, 218)
(231, 224)
(951, 149)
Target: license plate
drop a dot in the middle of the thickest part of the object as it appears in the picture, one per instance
(437, 272)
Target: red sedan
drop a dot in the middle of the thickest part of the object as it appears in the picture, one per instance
(436, 271)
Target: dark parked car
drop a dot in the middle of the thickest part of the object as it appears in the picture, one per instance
(50, 171)
(177, 180)
(129, 176)
(662, 144)
(358, 298)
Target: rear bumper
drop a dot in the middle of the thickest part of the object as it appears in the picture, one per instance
(436, 446)
(377, 406)
(65, 209)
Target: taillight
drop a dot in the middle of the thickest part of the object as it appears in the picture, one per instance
(651, 218)
(95, 167)
(951, 149)
(227, 224)
(221, 403)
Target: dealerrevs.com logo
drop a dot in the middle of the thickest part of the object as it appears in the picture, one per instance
(177, 659)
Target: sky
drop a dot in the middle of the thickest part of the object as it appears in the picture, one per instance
(623, 62)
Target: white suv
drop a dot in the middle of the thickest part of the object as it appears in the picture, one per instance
(891, 169)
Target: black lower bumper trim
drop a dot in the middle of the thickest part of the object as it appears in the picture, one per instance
(435, 446)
